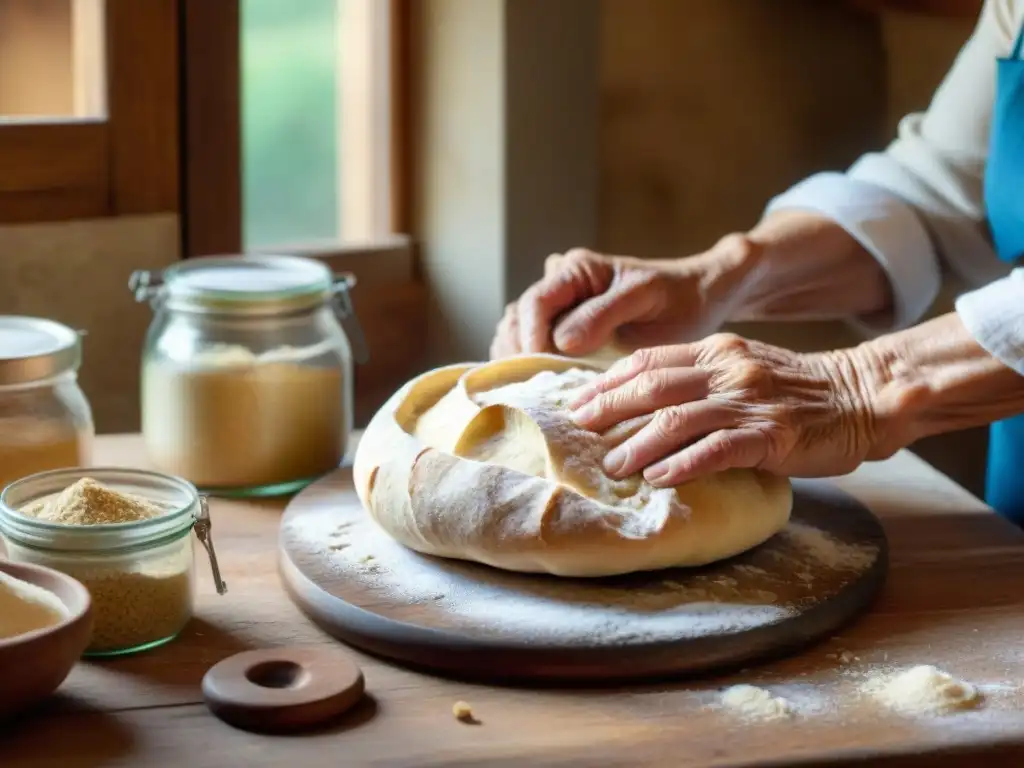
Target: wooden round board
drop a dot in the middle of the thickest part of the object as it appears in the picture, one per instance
(473, 621)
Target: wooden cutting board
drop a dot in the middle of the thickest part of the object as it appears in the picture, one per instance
(473, 621)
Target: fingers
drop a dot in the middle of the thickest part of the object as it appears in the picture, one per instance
(671, 356)
(647, 392)
(568, 281)
(593, 323)
(506, 337)
(669, 430)
(719, 451)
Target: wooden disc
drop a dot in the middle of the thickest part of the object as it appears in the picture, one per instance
(473, 621)
(282, 689)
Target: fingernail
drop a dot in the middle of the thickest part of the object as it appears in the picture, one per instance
(579, 400)
(585, 414)
(655, 473)
(567, 339)
(614, 461)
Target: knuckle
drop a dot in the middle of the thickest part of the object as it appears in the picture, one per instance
(579, 254)
(640, 360)
(725, 343)
(749, 375)
(552, 262)
(651, 386)
(670, 421)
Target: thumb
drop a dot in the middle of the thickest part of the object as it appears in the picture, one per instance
(568, 282)
(593, 323)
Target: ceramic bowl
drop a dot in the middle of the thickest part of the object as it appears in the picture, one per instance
(36, 663)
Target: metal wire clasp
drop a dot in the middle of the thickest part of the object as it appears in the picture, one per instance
(342, 300)
(204, 532)
(145, 285)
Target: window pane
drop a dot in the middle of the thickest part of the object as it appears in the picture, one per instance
(51, 59)
(289, 121)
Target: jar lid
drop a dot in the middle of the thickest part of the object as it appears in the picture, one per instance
(33, 349)
(247, 283)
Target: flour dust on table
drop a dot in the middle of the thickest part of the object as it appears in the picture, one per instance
(799, 568)
(485, 463)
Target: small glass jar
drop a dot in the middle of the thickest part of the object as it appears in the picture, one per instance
(139, 574)
(45, 419)
(247, 372)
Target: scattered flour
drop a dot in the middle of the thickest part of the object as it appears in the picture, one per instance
(757, 589)
(922, 690)
(822, 548)
(754, 703)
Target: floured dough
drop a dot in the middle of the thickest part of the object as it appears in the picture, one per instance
(484, 463)
(25, 607)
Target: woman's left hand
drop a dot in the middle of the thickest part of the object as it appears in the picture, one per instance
(728, 402)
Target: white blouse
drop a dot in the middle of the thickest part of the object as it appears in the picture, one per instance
(918, 206)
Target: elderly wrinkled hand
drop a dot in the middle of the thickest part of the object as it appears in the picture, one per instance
(587, 299)
(686, 410)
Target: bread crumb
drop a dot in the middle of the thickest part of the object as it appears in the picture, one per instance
(756, 703)
(463, 712)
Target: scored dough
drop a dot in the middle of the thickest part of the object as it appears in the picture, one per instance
(483, 462)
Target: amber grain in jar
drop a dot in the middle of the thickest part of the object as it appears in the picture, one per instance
(45, 419)
(139, 574)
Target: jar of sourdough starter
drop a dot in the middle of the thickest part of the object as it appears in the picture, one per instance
(45, 420)
(124, 534)
(247, 372)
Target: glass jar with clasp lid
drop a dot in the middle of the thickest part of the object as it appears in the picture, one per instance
(139, 574)
(247, 371)
(45, 419)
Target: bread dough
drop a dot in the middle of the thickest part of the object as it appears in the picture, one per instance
(483, 462)
(25, 607)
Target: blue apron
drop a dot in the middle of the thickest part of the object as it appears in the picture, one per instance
(1004, 202)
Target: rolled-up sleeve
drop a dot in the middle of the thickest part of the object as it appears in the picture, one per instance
(918, 207)
(994, 316)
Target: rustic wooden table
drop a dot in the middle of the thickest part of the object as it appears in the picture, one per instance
(955, 598)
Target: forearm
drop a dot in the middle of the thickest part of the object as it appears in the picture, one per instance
(931, 379)
(798, 265)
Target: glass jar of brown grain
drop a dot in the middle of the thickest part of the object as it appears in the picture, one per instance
(45, 419)
(247, 372)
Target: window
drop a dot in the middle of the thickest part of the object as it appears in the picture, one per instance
(258, 124)
(93, 131)
(315, 121)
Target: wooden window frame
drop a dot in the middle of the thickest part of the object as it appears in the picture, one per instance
(213, 141)
(389, 298)
(122, 163)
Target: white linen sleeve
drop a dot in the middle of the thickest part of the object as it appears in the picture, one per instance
(994, 316)
(888, 228)
(918, 207)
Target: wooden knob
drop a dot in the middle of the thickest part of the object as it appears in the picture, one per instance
(282, 689)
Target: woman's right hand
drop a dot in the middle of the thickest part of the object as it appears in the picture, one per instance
(586, 300)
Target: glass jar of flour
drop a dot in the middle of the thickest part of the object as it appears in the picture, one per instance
(247, 372)
(45, 419)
